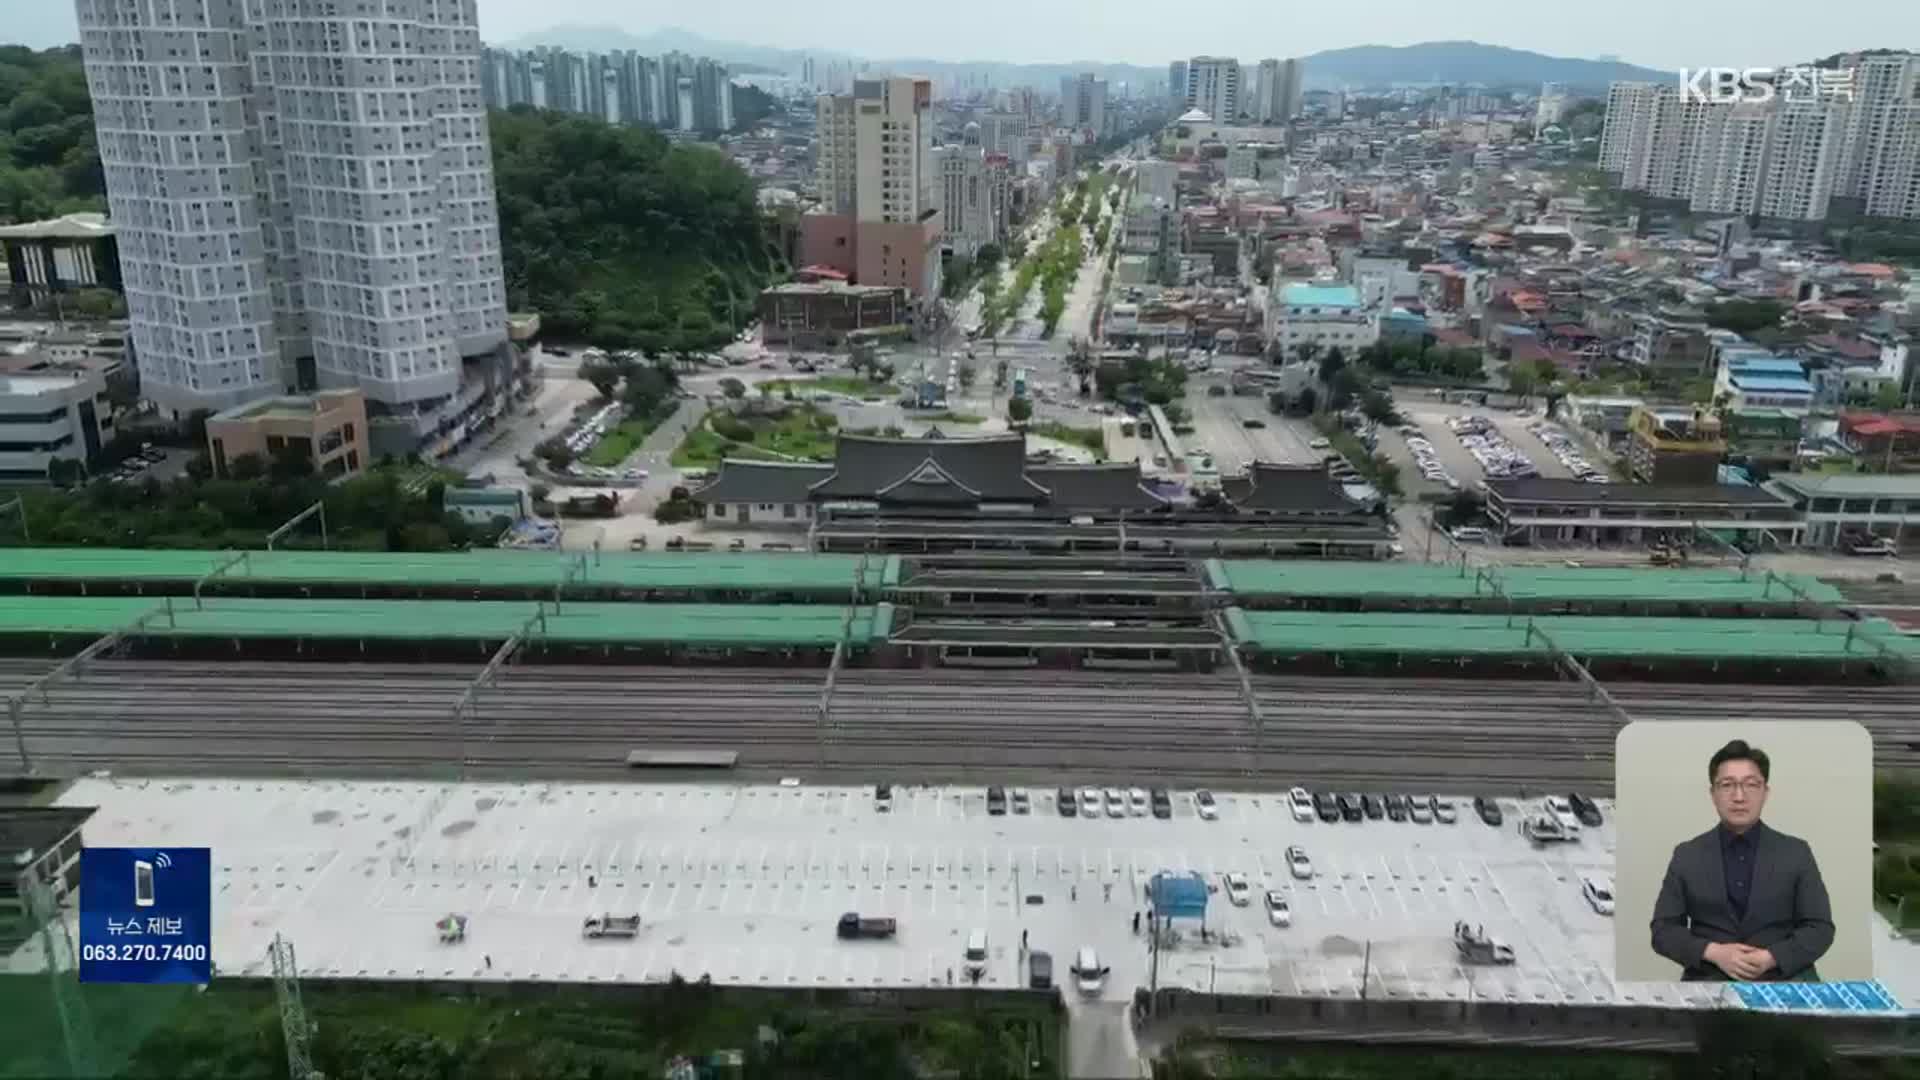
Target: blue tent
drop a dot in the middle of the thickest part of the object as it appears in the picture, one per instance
(1178, 896)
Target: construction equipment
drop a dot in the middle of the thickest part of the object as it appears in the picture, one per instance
(608, 925)
(453, 929)
(1475, 947)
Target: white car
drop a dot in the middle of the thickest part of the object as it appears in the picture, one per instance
(1137, 801)
(1598, 890)
(1279, 912)
(1302, 804)
(1562, 811)
(1298, 863)
(1239, 892)
(1205, 805)
(1116, 803)
(1089, 802)
(1318, 444)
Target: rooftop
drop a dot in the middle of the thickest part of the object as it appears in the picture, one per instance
(34, 385)
(1849, 485)
(744, 883)
(85, 226)
(1305, 295)
(1542, 489)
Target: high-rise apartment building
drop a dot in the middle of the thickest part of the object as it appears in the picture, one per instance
(1177, 81)
(302, 195)
(1213, 87)
(1083, 103)
(674, 91)
(1814, 144)
(879, 221)
(1278, 99)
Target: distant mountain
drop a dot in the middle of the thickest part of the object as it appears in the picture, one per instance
(1361, 66)
(1463, 62)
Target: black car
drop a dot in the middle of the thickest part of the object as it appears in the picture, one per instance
(1325, 806)
(996, 800)
(1350, 808)
(1162, 803)
(1488, 810)
(1374, 805)
(1396, 807)
(1040, 970)
(1068, 804)
(1585, 809)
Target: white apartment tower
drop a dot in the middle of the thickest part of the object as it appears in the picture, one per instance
(289, 180)
(1881, 84)
(1803, 155)
(1213, 87)
(1083, 103)
(1728, 159)
(1629, 110)
(1279, 91)
(1893, 185)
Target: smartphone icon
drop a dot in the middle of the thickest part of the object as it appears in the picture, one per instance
(142, 883)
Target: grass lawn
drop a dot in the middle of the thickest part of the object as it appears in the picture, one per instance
(804, 434)
(1088, 437)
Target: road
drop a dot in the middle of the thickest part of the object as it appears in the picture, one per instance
(1047, 727)
(1219, 427)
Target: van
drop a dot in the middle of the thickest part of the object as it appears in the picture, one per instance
(976, 955)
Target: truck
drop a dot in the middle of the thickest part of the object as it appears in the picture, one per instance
(852, 927)
(1475, 947)
(608, 925)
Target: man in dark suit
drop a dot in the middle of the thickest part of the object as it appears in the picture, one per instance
(1742, 901)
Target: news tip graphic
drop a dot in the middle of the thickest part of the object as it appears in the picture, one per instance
(146, 915)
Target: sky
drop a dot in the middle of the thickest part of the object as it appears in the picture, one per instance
(1655, 33)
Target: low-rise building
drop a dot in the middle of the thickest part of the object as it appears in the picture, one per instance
(1882, 442)
(1675, 444)
(1761, 380)
(1322, 315)
(1766, 438)
(56, 413)
(1672, 341)
(480, 505)
(1842, 509)
(328, 428)
(822, 314)
(1571, 511)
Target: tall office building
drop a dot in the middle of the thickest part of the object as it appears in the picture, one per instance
(1213, 87)
(1177, 81)
(294, 185)
(1278, 97)
(971, 190)
(1083, 103)
(879, 221)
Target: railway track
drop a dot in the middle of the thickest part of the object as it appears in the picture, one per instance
(1020, 726)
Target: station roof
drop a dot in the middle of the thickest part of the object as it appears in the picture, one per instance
(734, 571)
(470, 620)
(1319, 578)
(1303, 632)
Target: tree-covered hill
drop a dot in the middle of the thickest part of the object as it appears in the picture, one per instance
(620, 237)
(49, 164)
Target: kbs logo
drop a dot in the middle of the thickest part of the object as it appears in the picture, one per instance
(1733, 86)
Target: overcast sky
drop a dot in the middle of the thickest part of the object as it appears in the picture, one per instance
(1657, 33)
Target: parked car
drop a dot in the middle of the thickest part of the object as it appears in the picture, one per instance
(1396, 806)
(996, 801)
(883, 798)
(1205, 805)
(1162, 803)
(1326, 807)
(1585, 809)
(1021, 801)
(1279, 912)
(1301, 803)
(1063, 800)
(1089, 802)
(1419, 809)
(1116, 803)
(1298, 864)
(1443, 811)
(1374, 805)
(1239, 890)
(1488, 809)
(1350, 808)
(1598, 891)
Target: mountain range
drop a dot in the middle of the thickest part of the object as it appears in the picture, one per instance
(1360, 66)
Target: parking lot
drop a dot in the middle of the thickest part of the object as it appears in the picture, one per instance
(745, 884)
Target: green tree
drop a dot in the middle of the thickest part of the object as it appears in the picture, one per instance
(1019, 410)
(1887, 397)
(733, 388)
(604, 377)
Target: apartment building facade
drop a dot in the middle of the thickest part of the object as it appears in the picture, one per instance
(1083, 103)
(1278, 99)
(879, 220)
(302, 195)
(1213, 87)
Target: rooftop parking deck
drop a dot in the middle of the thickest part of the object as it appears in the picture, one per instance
(745, 883)
(1522, 584)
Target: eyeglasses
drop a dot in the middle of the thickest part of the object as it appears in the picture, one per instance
(1728, 787)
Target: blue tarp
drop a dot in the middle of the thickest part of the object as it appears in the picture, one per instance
(1178, 896)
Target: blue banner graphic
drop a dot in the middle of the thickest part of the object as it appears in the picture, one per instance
(146, 915)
